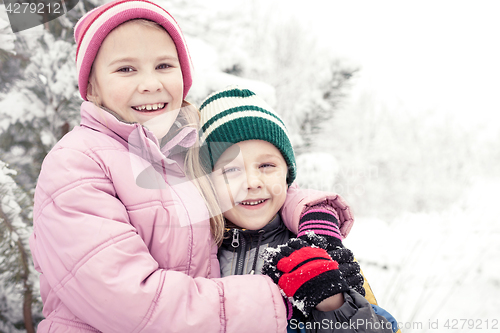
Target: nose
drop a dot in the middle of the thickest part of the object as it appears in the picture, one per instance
(149, 83)
(254, 179)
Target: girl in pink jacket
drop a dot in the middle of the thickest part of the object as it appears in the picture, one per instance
(123, 238)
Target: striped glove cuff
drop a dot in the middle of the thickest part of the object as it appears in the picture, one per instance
(320, 221)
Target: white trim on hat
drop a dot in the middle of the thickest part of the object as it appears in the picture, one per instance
(214, 108)
(237, 115)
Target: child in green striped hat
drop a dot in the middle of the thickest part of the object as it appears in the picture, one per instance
(252, 164)
(236, 123)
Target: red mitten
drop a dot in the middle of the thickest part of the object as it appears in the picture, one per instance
(306, 275)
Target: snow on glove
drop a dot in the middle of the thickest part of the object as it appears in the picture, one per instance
(319, 226)
(320, 221)
(306, 275)
(350, 269)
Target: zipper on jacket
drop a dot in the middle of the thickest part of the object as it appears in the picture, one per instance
(236, 239)
(240, 258)
(256, 255)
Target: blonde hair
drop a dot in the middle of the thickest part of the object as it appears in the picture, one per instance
(195, 171)
(189, 117)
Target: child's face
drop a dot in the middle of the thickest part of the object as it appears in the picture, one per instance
(250, 181)
(137, 74)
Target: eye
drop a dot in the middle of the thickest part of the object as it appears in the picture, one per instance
(229, 170)
(266, 165)
(163, 66)
(126, 69)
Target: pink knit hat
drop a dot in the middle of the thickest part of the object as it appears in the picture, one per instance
(93, 27)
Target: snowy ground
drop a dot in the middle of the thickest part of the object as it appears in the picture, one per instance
(429, 268)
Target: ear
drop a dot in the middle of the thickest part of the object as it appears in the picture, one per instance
(89, 90)
(92, 96)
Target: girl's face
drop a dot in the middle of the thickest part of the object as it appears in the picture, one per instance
(137, 75)
(250, 181)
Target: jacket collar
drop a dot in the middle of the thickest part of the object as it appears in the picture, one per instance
(184, 139)
(141, 142)
(269, 231)
(137, 138)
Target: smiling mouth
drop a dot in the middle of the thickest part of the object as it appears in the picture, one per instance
(150, 107)
(252, 202)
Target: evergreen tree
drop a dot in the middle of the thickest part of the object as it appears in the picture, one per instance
(39, 103)
(18, 279)
(309, 81)
(9, 60)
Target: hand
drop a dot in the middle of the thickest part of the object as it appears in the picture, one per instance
(306, 275)
(319, 226)
(349, 268)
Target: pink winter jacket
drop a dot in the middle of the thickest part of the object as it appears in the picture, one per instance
(123, 243)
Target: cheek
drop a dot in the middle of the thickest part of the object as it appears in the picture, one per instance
(175, 86)
(231, 192)
(111, 93)
(113, 98)
(279, 191)
(278, 187)
(118, 91)
(224, 193)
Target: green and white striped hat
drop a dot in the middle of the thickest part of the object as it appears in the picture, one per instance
(233, 115)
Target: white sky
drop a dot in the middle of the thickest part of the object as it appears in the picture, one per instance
(438, 55)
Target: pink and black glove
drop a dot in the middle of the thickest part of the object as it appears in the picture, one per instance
(319, 226)
(306, 275)
(318, 220)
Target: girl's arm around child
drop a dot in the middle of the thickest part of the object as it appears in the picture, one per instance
(115, 260)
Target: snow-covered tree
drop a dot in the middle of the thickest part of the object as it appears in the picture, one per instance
(253, 41)
(9, 60)
(18, 279)
(38, 105)
(40, 109)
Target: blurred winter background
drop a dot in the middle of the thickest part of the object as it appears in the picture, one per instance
(392, 104)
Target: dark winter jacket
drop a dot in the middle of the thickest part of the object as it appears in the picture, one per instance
(239, 254)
